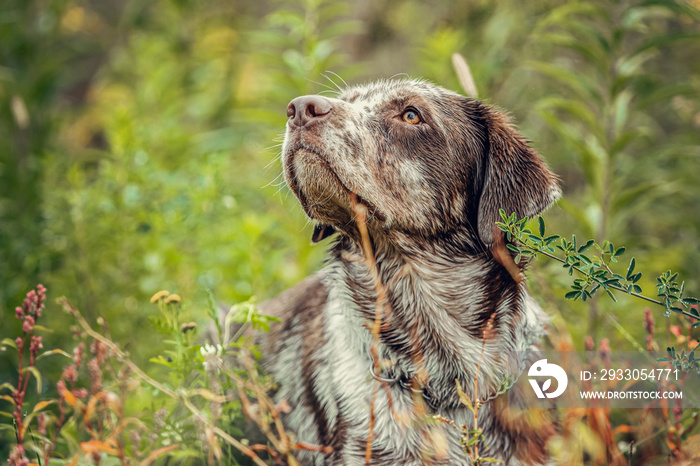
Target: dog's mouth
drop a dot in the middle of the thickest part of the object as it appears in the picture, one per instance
(322, 193)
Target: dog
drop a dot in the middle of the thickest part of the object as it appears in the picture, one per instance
(432, 168)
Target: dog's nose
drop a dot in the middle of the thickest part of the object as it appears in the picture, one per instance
(305, 109)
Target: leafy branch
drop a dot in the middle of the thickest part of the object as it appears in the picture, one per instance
(682, 361)
(593, 263)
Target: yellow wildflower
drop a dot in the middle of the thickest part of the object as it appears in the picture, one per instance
(160, 295)
(173, 298)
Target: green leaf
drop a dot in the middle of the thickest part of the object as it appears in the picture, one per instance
(463, 398)
(161, 360)
(665, 40)
(630, 269)
(621, 106)
(540, 220)
(612, 296)
(41, 328)
(9, 386)
(588, 244)
(620, 251)
(473, 440)
(37, 375)
(550, 239)
(8, 342)
(577, 109)
(54, 351)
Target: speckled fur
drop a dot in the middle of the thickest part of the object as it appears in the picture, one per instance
(433, 190)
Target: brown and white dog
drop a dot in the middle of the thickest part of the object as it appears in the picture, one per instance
(433, 169)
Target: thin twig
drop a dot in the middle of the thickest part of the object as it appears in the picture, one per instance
(310, 447)
(270, 451)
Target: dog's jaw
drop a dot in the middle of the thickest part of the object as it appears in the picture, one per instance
(322, 194)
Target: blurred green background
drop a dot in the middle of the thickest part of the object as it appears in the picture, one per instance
(139, 141)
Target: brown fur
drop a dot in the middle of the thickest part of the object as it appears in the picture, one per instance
(433, 191)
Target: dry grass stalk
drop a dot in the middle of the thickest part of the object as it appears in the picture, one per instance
(477, 403)
(280, 441)
(502, 255)
(114, 349)
(282, 451)
(361, 214)
(465, 75)
(382, 311)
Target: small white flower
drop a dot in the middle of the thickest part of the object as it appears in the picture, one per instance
(211, 350)
(212, 356)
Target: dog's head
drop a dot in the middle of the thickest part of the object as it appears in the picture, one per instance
(426, 161)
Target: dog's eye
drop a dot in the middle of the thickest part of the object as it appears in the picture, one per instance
(411, 116)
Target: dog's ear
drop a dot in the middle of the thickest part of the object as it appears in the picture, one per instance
(516, 179)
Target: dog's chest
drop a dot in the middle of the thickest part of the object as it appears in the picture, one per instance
(330, 382)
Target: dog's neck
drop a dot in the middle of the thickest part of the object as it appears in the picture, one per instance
(442, 309)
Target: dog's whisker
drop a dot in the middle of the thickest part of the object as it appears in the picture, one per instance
(333, 92)
(277, 181)
(340, 89)
(339, 77)
(328, 88)
(273, 162)
(405, 75)
(274, 147)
